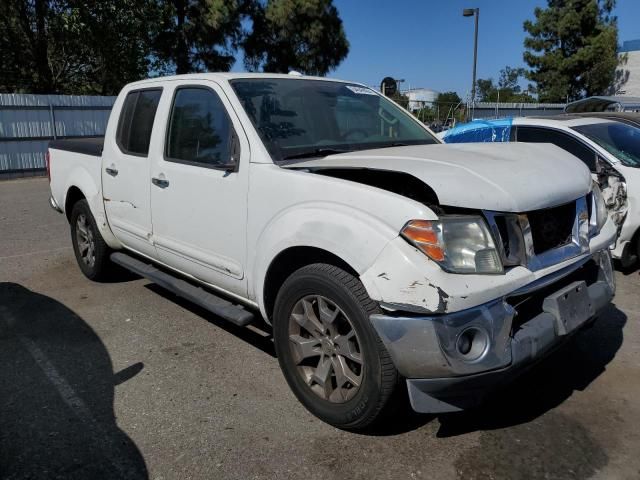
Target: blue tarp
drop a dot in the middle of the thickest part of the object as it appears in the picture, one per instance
(480, 131)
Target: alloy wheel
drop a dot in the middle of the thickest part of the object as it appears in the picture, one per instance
(85, 241)
(325, 348)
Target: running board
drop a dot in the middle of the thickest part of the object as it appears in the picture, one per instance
(236, 314)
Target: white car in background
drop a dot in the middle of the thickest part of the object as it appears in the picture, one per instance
(610, 148)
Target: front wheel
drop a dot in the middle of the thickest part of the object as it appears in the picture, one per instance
(330, 355)
(92, 253)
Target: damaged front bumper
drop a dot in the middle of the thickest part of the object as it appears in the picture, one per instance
(449, 359)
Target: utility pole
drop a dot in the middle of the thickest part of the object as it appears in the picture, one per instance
(473, 12)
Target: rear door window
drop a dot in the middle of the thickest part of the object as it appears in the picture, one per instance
(560, 139)
(136, 121)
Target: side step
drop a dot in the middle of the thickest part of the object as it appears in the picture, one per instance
(234, 313)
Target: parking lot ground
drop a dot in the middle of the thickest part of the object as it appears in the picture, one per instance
(124, 380)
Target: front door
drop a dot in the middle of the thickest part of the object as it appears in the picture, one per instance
(199, 187)
(125, 171)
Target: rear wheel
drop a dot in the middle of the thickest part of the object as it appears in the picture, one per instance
(330, 355)
(92, 253)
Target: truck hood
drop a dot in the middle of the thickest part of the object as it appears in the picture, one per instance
(506, 177)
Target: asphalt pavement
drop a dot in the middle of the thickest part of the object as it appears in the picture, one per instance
(125, 380)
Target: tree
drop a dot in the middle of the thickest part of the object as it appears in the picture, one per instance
(97, 46)
(508, 88)
(509, 77)
(305, 35)
(449, 98)
(572, 49)
(447, 105)
(72, 46)
(117, 41)
(485, 90)
(198, 35)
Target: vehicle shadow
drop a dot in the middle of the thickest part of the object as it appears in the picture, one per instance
(56, 395)
(572, 367)
(626, 270)
(259, 335)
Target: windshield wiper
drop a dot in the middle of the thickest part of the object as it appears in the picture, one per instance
(394, 144)
(318, 152)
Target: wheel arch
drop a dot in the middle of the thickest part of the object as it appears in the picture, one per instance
(290, 260)
(73, 196)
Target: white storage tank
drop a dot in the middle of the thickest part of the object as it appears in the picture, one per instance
(421, 97)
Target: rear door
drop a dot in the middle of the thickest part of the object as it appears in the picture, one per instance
(199, 186)
(125, 170)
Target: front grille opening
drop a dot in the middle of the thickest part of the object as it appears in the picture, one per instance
(529, 305)
(501, 223)
(552, 227)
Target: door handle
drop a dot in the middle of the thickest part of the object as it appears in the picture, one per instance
(111, 171)
(160, 182)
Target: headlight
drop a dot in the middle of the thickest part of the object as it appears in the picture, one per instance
(459, 244)
(599, 211)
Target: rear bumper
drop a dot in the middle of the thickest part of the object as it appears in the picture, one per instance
(53, 204)
(503, 336)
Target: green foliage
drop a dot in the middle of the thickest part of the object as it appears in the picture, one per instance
(508, 88)
(448, 106)
(450, 98)
(72, 46)
(572, 49)
(198, 35)
(304, 35)
(97, 46)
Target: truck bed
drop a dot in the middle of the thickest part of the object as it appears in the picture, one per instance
(89, 146)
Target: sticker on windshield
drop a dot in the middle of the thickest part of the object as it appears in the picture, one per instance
(360, 90)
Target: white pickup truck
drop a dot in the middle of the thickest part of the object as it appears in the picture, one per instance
(374, 252)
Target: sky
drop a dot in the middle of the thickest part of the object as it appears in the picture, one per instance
(430, 44)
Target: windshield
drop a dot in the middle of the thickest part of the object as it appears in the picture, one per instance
(312, 118)
(619, 139)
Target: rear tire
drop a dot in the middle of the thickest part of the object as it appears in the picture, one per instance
(328, 351)
(92, 253)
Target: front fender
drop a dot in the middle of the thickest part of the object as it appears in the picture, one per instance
(349, 233)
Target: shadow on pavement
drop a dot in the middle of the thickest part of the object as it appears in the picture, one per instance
(573, 367)
(56, 395)
(260, 337)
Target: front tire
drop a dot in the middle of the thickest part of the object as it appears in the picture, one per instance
(330, 355)
(92, 253)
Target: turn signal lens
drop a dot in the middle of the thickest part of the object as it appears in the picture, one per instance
(425, 235)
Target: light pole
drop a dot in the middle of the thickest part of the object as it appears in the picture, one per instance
(473, 12)
(398, 82)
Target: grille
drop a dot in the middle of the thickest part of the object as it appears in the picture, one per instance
(540, 238)
(552, 227)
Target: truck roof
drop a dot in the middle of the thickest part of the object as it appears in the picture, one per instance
(226, 76)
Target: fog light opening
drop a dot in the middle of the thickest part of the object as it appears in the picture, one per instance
(472, 344)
